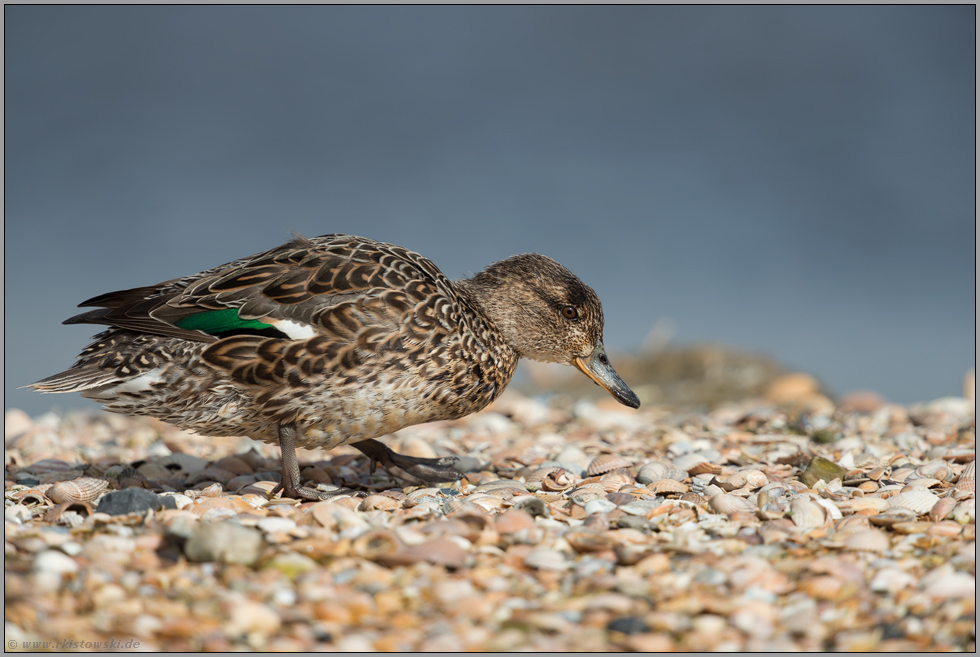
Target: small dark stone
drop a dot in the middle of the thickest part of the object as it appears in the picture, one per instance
(133, 500)
(821, 469)
(628, 625)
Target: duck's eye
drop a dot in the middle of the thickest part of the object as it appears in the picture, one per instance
(569, 312)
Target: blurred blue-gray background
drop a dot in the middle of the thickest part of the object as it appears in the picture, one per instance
(793, 180)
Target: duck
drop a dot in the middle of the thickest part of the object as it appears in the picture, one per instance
(334, 340)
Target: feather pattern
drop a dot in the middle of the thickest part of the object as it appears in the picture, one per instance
(381, 340)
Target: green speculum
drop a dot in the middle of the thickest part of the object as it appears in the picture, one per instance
(218, 322)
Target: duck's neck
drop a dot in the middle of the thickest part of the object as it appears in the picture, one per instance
(506, 304)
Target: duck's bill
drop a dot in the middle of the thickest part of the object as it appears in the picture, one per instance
(598, 368)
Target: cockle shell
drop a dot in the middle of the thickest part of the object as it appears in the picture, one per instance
(918, 500)
(870, 540)
(657, 470)
(806, 513)
(667, 486)
(83, 489)
(606, 462)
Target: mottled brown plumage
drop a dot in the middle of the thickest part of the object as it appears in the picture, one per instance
(334, 340)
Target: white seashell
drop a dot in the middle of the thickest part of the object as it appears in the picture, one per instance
(832, 510)
(807, 513)
(83, 489)
(725, 503)
(869, 540)
(965, 512)
(918, 500)
(935, 470)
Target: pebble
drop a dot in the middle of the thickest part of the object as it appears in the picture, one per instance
(227, 542)
(133, 500)
(577, 532)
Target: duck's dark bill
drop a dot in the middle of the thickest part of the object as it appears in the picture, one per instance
(598, 368)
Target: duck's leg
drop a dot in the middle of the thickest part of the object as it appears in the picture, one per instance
(413, 469)
(290, 484)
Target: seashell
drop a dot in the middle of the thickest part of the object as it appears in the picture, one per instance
(417, 448)
(376, 543)
(29, 496)
(852, 525)
(379, 503)
(822, 587)
(936, 470)
(588, 540)
(725, 503)
(212, 508)
(868, 486)
(832, 510)
(870, 540)
(687, 461)
(557, 480)
(641, 507)
(965, 512)
(214, 490)
(877, 474)
(966, 486)
(421, 493)
(667, 486)
(969, 472)
(548, 497)
(692, 498)
(911, 527)
(918, 500)
(807, 513)
(606, 462)
(621, 477)
(748, 478)
(892, 516)
(901, 474)
(864, 505)
(543, 558)
(487, 502)
(657, 470)
(704, 468)
(620, 499)
(941, 509)
(83, 489)
(514, 520)
(946, 528)
(497, 485)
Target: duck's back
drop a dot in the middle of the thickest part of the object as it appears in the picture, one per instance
(342, 336)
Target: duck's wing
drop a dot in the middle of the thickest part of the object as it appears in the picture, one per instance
(335, 286)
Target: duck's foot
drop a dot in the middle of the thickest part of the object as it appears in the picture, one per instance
(289, 486)
(413, 469)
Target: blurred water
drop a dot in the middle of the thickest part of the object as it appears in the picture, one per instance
(797, 180)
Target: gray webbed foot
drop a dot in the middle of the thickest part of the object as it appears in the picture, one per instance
(413, 469)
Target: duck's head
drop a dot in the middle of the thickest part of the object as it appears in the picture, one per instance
(547, 314)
